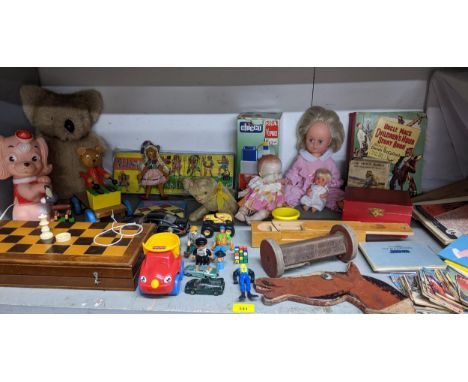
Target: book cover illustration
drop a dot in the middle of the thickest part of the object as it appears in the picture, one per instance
(128, 164)
(446, 221)
(391, 256)
(457, 252)
(396, 137)
(368, 173)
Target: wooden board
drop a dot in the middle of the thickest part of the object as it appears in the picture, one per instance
(77, 263)
(288, 231)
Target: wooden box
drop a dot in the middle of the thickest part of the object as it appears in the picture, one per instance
(284, 232)
(78, 263)
(377, 205)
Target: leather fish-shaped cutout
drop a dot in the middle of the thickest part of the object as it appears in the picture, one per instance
(330, 288)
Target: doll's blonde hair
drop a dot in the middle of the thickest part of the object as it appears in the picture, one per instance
(325, 172)
(319, 114)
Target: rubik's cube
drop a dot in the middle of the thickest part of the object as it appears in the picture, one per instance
(241, 255)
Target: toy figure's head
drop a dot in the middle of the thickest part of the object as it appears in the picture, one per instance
(243, 268)
(269, 168)
(150, 150)
(201, 242)
(222, 228)
(318, 130)
(91, 157)
(194, 228)
(322, 177)
(22, 156)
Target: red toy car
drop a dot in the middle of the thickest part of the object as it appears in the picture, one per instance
(162, 269)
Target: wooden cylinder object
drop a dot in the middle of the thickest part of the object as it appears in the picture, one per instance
(275, 258)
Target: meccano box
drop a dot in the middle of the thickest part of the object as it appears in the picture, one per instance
(257, 135)
(377, 205)
(78, 263)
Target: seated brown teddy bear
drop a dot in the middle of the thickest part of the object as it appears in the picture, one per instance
(92, 160)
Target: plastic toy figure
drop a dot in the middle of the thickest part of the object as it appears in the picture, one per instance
(312, 199)
(202, 254)
(244, 277)
(264, 192)
(95, 174)
(208, 165)
(154, 172)
(220, 256)
(24, 158)
(192, 236)
(222, 240)
(319, 134)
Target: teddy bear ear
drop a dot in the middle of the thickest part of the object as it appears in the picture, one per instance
(99, 149)
(81, 150)
(94, 103)
(31, 96)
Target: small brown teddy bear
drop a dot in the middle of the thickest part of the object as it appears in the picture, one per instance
(65, 122)
(213, 196)
(92, 160)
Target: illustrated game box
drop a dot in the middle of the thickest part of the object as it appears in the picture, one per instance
(369, 173)
(128, 164)
(257, 135)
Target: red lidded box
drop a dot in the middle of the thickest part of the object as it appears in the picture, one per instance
(377, 205)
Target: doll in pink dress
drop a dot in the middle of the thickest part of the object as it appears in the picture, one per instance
(319, 134)
(264, 192)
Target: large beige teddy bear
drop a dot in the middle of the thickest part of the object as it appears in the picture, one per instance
(65, 121)
(213, 197)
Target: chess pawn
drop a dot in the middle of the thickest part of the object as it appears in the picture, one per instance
(46, 236)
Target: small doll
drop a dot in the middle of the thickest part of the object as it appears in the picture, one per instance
(202, 254)
(264, 192)
(319, 134)
(312, 198)
(192, 236)
(155, 171)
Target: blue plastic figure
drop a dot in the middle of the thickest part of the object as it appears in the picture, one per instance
(244, 277)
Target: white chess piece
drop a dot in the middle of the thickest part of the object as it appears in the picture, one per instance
(46, 236)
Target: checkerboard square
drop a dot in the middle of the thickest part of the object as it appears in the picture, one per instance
(6, 231)
(30, 224)
(109, 234)
(84, 241)
(36, 232)
(95, 250)
(76, 232)
(124, 241)
(57, 249)
(12, 239)
(99, 225)
(64, 225)
(19, 248)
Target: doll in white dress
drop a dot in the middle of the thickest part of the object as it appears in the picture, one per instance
(312, 199)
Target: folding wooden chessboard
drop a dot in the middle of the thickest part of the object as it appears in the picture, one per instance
(77, 263)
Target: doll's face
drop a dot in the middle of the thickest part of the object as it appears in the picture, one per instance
(321, 180)
(318, 139)
(270, 171)
(151, 153)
